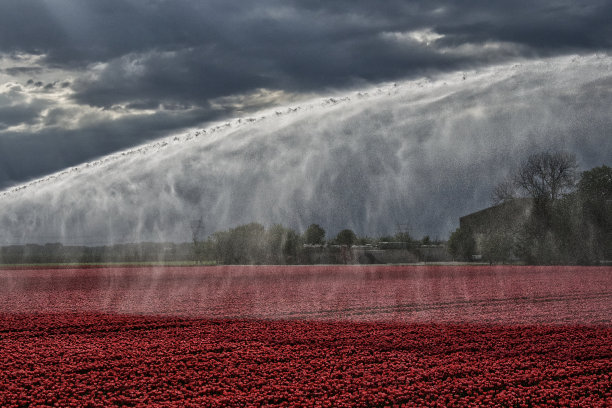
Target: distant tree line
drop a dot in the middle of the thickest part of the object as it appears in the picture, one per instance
(569, 222)
(254, 244)
(57, 253)
(245, 244)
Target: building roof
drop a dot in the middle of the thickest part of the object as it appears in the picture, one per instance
(508, 214)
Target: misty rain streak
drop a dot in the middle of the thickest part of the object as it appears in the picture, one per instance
(295, 336)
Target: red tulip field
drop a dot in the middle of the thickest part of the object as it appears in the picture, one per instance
(505, 336)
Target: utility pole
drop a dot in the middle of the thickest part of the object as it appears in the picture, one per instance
(197, 229)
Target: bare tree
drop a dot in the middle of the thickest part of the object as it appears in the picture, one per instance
(543, 176)
(547, 175)
(504, 191)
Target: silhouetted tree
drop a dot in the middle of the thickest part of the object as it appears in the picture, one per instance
(282, 245)
(595, 190)
(244, 244)
(504, 191)
(314, 235)
(291, 247)
(461, 244)
(545, 178)
(498, 247)
(402, 236)
(547, 175)
(595, 194)
(346, 237)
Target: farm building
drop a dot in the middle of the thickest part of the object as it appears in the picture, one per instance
(499, 223)
(503, 216)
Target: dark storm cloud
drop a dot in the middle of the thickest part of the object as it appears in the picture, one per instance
(15, 115)
(22, 70)
(186, 76)
(193, 50)
(180, 54)
(55, 148)
(300, 46)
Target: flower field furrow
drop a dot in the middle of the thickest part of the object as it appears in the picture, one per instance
(306, 336)
(156, 361)
(496, 295)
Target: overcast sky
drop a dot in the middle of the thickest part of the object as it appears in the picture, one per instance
(83, 78)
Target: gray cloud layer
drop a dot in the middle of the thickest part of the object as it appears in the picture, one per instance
(163, 65)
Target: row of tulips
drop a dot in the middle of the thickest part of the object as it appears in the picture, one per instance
(102, 360)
